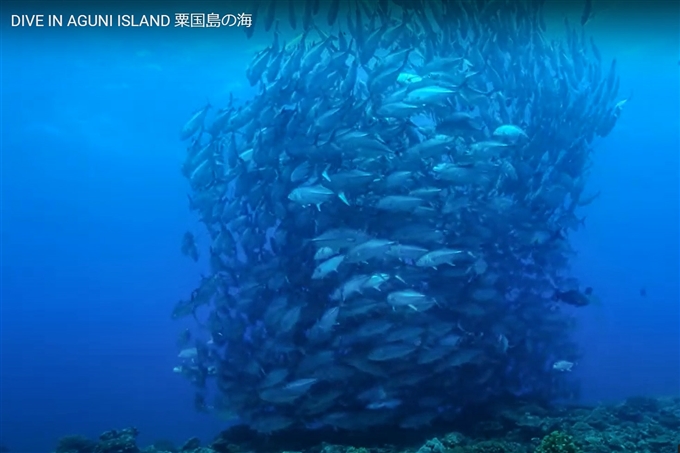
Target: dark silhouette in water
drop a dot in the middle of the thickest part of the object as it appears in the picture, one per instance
(587, 12)
(468, 422)
(574, 297)
(643, 291)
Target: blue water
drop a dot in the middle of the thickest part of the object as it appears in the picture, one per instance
(94, 206)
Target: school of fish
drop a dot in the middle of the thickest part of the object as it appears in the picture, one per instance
(388, 218)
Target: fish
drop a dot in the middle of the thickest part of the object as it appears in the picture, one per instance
(398, 203)
(323, 253)
(189, 247)
(188, 353)
(563, 365)
(574, 297)
(428, 95)
(184, 338)
(270, 15)
(386, 214)
(328, 266)
(439, 257)
(385, 404)
(333, 10)
(391, 352)
(587, 12)
(311, 195)
(292, 16)
(509, 133)
(195, 123)
(373, 248)
(410, 298)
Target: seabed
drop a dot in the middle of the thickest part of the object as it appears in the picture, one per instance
(639, 425)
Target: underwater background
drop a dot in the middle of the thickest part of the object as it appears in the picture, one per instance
(94, 205)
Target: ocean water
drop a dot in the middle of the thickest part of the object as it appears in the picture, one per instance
(93, 207)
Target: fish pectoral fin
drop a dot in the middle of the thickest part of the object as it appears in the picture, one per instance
(411, 306)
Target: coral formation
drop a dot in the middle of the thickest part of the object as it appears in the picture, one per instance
(558, 442)
(641, 425)
(75, 444)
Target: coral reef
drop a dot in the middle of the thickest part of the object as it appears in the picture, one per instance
(558, 442)
(123, 441)
(641, 425)
(75, 444)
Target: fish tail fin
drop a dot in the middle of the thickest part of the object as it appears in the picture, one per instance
(324, 174)
(344, 199)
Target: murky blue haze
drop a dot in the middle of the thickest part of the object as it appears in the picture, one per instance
(94, 206)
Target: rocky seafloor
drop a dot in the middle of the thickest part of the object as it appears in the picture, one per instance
(639, 425)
